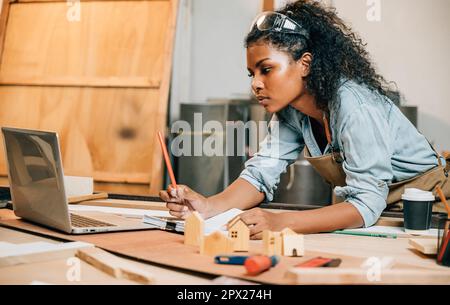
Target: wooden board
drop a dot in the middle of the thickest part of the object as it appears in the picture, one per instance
(168, 249)
(86, 198)
(366, 276)
(128, 204)
(113, 265)
(86, 119)
(101, 82)
(118, 39)
(427, 246)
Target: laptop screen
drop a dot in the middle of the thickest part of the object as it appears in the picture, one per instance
(36, 177)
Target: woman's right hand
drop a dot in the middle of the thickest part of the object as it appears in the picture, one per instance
(182, 201)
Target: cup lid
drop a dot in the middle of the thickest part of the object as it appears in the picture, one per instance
(414, 194)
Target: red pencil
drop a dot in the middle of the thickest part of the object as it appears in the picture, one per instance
(444, 246)
(442, 196)
(167, 159)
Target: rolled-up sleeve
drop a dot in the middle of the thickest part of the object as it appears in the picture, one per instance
(367, 162)
(279, 149)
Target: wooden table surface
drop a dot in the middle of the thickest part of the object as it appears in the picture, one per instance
(333, 244)
(55, 272)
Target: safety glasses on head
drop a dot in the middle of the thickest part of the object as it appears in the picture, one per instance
(276, 22)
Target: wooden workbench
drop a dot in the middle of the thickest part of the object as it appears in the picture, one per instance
(54, 271)
(172, 263)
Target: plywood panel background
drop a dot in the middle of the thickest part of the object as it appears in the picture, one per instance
(113, 39)
(100, 82)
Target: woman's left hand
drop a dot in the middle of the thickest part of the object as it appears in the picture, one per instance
(259, 220)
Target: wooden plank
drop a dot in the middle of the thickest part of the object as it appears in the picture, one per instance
(111, 40)
(352, 276)
(122, 188)
(117, 44)
(71, 81)
(137, 178)
(114, 265)
(104, 133)
(79, 199)
(427, 246)
(4, 14)
(390, 222)
(128, 204)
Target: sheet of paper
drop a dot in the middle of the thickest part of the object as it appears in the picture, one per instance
(39, 247)
(218, 222)
(10, 249)
(390, 230)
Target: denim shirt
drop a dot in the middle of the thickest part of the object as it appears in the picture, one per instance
(377, 142)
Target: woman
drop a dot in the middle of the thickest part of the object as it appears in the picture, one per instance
(314, 75)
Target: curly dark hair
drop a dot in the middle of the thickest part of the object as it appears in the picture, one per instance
(337, 51)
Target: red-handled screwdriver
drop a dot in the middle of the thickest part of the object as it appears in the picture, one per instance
(260, 263)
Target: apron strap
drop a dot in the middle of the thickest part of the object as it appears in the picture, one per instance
(335, 155)
(327, 128)
(439, 158)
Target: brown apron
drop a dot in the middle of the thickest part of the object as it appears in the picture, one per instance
(329, 166)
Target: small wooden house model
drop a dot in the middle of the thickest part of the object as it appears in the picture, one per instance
(286, 242)
(272, 243)
(293, 243)
(239, 232)
(194, 229)
(216, 243)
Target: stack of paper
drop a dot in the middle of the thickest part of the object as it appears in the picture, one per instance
(165, 223)
(216, 223)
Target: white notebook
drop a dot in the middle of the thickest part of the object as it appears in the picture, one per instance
(215, 223)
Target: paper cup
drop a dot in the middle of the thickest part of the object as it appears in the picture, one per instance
(417, 210)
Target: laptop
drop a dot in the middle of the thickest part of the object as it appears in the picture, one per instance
(36, 180)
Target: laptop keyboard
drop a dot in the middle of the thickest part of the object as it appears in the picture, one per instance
(86, 222)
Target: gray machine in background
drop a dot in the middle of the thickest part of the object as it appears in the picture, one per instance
(210, 175)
